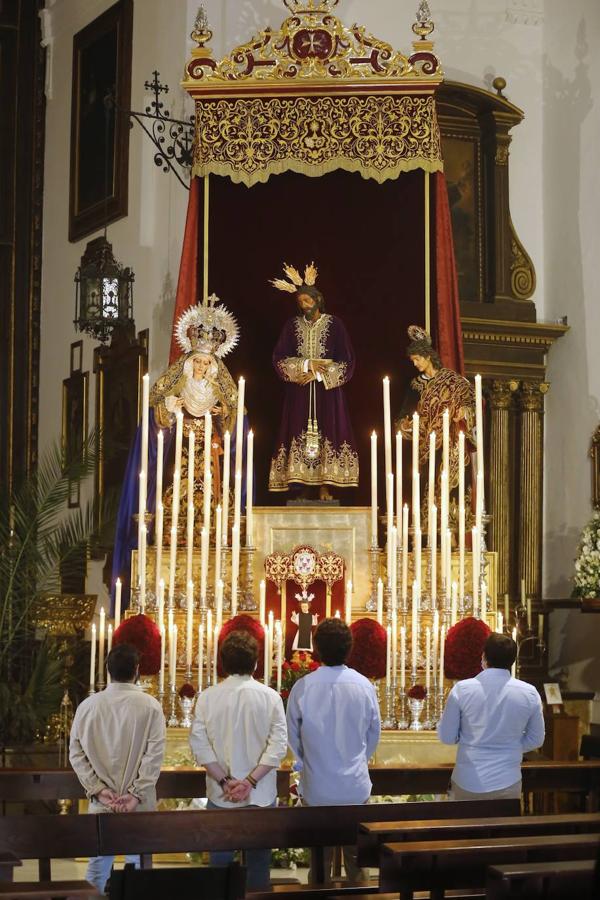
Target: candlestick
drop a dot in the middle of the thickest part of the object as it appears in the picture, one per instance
(249, 489)
(262, 601)
(399, 477)
(93, 659)
(226, 470)
(387, 425)
(402, 657)
(101, 639)
(200, 655)
(380, 601)
(189, 626)
(374, 489)
(118, 589)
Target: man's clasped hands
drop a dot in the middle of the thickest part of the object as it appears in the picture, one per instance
(116, 802)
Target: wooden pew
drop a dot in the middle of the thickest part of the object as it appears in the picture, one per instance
(371, 835)
(48, 890)
(543, 881)
(315, 827)
(47, 837)
(440, 865)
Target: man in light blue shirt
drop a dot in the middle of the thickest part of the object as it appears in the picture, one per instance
(494, 719)
(333, 728)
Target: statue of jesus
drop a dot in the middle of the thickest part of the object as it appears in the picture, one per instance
(315, 359)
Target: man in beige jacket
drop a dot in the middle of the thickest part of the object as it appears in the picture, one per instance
(117, 747)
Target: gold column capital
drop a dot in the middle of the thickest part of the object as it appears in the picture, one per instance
(500, 393)
(531, 396)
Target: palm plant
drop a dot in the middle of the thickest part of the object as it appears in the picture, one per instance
(40, 541)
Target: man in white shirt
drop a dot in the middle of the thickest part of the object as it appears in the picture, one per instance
(494, 719)
(333, 729)
(239, 736)
(117, 747)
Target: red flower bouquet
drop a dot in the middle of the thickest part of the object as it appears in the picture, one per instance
(253, 627)
(368, 648)
(291, 672)
(187, 691)
(417, 692)
(143, 634)
(463, 648)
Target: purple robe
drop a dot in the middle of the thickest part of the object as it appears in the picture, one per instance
(331, 457)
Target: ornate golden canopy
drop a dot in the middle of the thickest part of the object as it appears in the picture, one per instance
(312, 97)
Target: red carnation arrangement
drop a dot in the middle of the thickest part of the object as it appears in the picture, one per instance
(143, 634)
(368, 652)
(417, 692)
(253, 627)
(291, 672)
(187, 691)
(463, 648)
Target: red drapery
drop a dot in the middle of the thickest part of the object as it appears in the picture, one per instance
(189, 269)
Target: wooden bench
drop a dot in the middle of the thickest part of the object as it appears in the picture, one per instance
(543, 881)
(47, 890)
(371, 835)
(47, 837)
(439, 865)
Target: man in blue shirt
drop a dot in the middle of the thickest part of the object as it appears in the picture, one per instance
(333, 728)
(494, 719)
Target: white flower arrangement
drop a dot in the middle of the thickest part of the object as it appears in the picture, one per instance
(587, 564)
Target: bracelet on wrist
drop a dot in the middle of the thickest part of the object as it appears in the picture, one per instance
(251, 780)
(224, 780)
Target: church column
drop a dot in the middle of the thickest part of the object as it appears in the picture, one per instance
(500, 397)
(531, 413)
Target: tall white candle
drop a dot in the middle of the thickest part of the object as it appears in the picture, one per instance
(415, 442)
(161, 671)
(529, 613)
(427, 658)
(262, 601)
(402, 657)
(109, 640)
(145, 421)
(443, 524)
(190, 502)
(479, 423)
(159, 510)
(405, 555)
(200, 656)
(218, 544)
(237, 502)
(216, 654)
(394, 557)
(239, 424)
(266, 666)
(446, 440)
(415, 626)
(475, 563)
(373, 489)
(279, 653)
(454, 607)
(189, 633)
(448, 566)
(433, 551)
(387, 425)
(142, 564)
(389, 495)
(178, 454)
(207, 475)
(118, 589)
(161, 603)
(435, 633)
(219, 602)
(417, 558)
(499, 623)
(513, 670)
(204, 548)
(235, 568)
(93, 658)
(540, 625)
(380, 601)
(431, 485)
(226, 471)
(394, 647)
(349, 603)
(209, 645)
(173, 656)
(442, 653)
(101, 639)
(271, 622)
(399, 476)
(250, 489)
(172, 564)
(388, 656)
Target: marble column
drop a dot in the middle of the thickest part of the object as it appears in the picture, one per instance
(500, 397)
(530, 399)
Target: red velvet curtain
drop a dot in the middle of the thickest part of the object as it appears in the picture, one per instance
(190, 272)
(367, 240)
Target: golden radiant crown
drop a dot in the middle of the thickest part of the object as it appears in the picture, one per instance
(207, 329)
(304, 6)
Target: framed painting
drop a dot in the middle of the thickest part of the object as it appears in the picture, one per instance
(75, 417)
(101, 93)
(463, 177)
(119, 370)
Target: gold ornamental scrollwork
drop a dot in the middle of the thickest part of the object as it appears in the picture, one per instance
(250, 139)
(522, 270)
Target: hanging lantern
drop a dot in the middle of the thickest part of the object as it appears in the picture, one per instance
(103, 292)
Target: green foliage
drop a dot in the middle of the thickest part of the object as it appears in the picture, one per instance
(41, 540)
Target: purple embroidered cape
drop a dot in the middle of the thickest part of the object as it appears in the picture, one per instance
(333, 458)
